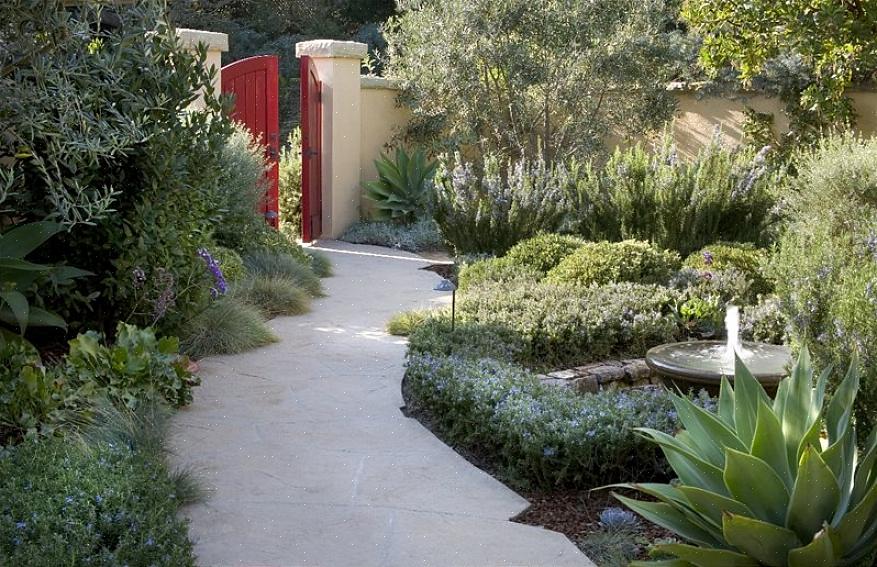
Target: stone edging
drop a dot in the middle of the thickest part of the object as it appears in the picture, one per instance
(604, 375)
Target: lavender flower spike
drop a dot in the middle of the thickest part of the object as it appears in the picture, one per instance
(221, 286)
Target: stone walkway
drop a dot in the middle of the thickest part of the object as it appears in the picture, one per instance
(310, 462)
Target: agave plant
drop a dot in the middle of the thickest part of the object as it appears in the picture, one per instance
(765, 482)
(401, 193)
(18, 276)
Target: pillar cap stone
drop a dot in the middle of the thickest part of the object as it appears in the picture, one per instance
(331, 48)
(213, 40)
(372, 82)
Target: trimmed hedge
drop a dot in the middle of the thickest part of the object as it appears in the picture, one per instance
(544, 251)
(542, 435)
(495, 270)
(561, 326)
(597, 263)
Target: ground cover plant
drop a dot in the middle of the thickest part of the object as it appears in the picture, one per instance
(105, 498)
(420, 236)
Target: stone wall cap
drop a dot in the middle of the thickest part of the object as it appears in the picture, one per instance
(373, 82)
(331, 48)
(213, 40)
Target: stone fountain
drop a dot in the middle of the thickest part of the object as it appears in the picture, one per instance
(701, 364)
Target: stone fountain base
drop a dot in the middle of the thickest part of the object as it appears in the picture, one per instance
(606, 375)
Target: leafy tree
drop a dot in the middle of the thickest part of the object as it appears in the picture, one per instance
(836, 43)
(526, 78)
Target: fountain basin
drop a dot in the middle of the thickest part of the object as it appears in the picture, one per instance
(701, 364)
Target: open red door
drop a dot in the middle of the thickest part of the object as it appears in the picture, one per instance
(311, 152)
(253, 83)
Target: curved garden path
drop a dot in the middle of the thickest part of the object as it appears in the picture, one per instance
(310, 462)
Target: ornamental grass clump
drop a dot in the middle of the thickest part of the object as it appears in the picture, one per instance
(228, 326)
(767, 482)
(266, 262)
(274, 295)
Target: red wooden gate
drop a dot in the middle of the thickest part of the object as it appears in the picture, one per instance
(311, 151)
(253, 82)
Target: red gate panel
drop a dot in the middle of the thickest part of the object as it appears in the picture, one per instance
(311, 152)
(253, 83)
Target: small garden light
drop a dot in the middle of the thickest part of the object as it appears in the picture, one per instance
(447, 285)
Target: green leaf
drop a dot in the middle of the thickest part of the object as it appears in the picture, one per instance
(769, 445)
(25, 238)
(661, 563)
(712, 505)
(41, 318)
(814, 498)
(747, 394)
(702, 557)
(866, 475)
(669, 517)
(690, 469)
(707, 431)
(840, 408)
(841, 460)
(755, 484)
(797, 417)
(63, 274)
(18, 306)
(765, 542)
(851, 527)
(823, 551)
(726, 402)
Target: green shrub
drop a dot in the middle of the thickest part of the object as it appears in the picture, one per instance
(280, 243)
(320, 264)
(129, 145)
(274, 295)
(542, 435)
(105, 503)
(228, 326)
(420, 236)
(495, 270)
(404, 186)
(561, 326)
(745, 258)
(544, 251)
(137, 368)
(721, 195)
(757, 485)
(230, 263)
(34, 401)
(825, 266)
(493, 205)
(467, 340)
(267, 262)
(289, 185)
(597, 263)
(242, 193)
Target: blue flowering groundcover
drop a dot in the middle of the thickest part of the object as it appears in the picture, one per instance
(66, 503)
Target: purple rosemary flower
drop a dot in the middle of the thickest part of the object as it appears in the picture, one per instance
(220, 285)
(708, 258)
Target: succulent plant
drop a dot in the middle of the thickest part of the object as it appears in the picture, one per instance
(402, 191)
(614, 518)
(764, 482)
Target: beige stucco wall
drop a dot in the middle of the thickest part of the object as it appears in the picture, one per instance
(382, 119)
(697, 117)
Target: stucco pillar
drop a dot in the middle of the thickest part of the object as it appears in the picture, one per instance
(338, 64)
(216, 44)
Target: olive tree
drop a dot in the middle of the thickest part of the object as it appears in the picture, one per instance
(525, 79)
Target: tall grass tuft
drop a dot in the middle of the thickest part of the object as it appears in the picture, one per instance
(228, 326)
(403, 324)
(320, 264)
(264, 262)
(274, 295)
